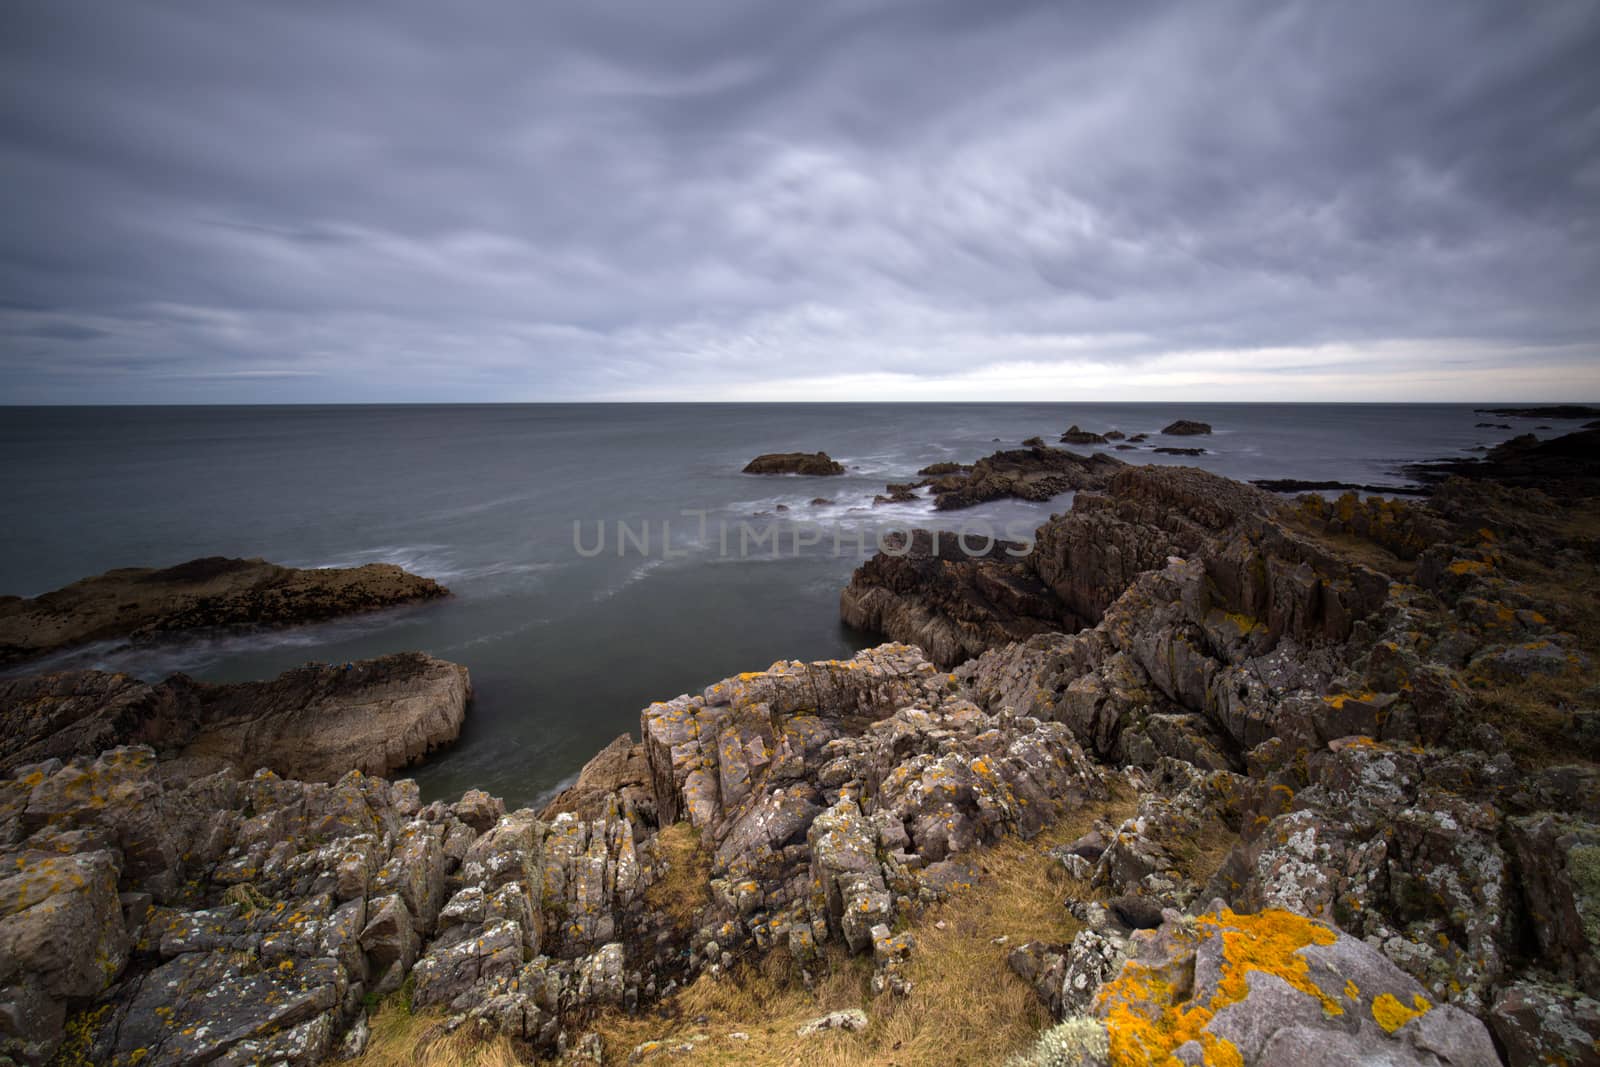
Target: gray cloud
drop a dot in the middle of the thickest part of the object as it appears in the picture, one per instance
(217, 200)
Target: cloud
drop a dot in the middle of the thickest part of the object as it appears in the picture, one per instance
(844, 200)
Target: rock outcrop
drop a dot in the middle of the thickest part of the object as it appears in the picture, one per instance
(1036, 473)
(1186, 428)
(183, 918)
(1075, 436)
(955, 602)
(1300, 685)
(314, 722)
(808, 463)
(203, 594)
(1565, 466)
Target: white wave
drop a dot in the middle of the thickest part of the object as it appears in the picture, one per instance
(490, 638)
(633, 577)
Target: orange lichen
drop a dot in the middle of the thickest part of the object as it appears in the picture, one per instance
(1469, 566)
(1146, 1020)
(1392, 1015)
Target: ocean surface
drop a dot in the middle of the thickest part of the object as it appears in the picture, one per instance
(568, 629)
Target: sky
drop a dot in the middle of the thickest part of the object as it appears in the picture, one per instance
(215, 201)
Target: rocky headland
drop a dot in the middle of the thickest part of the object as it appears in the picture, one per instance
(203, 594)
(1205, 776)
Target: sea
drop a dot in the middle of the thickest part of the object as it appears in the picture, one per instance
(601, 556)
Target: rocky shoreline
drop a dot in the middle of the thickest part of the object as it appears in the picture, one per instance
(204, 594)
(1357, 742)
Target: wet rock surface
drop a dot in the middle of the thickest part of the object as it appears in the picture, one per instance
(203, 594)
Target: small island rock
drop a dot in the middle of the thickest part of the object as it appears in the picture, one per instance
(809, 463)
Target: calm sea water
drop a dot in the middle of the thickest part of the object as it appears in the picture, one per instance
(565, 646)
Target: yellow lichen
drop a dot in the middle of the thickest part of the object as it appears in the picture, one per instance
(1146, 1021)
(1392, 1015)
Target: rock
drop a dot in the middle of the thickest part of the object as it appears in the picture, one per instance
(1565, 467)
(1075, 436)
(616, 782)
(1179, 451)
(897, 493)
(1277, 988)
(211, 593)
(1537, 1025)
(989, 598)
(200, 1006)
(957, 601)
(313, 723)
(1186, 427)
(820, 501)
(1558, 857)
(808, 463)
(936, 469)
(1135, 912)
(849, 1019)
(1033, 473)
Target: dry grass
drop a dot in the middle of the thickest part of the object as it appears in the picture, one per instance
(966, 1006)
(1201, 856)
(682, 888)
(401, 1039)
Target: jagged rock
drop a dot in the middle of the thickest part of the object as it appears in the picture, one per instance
(1559, 861)
(1075, 436)
(827, 792)
(952, 612)
(1276, 988)
(810, 463)
(209, 593)
(311, 723)
(616, 782)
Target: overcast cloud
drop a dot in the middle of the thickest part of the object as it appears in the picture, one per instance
(829, 199)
